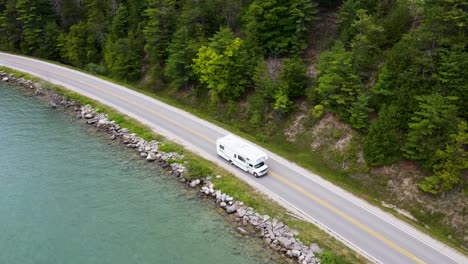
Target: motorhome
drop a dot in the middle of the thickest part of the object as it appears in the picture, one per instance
(243, 155)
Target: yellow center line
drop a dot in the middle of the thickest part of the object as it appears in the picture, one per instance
(346, 217)
(275, 175)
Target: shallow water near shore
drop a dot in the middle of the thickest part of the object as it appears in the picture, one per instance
(69, 197)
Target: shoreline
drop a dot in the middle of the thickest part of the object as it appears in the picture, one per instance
(270, 230)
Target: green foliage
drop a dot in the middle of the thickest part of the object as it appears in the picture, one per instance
(123, 48)
(451, 165)
(397, 22)
(383, 142)
(69, 12)
(255, 109)
(367, 41)
(448, 20)
(318, 111)
(279, 26)
(282, 101)
(359, 113)
(80, 45)
(452, 78)
(38, 29)
(223, 65)
(10, 27)
(263, 81)
(294, 76)
(197, 170)
(338, 85)
(159, 27)
(430, 128)
(181, 52)
(329, 257)
(123, 58)
(348, 14)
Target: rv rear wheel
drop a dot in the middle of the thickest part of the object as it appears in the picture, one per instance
(230, 162)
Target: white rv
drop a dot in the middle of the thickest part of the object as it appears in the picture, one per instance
(242, 154)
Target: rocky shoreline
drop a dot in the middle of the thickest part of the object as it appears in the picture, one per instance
(273, 232)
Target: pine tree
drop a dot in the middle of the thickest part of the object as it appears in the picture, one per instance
(451, 164)
(430, 128)
(34, 16)
(160, 15)
(383, 142)
(10, 27)
(181, 52)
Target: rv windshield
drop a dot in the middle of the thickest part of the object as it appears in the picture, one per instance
(259, 165)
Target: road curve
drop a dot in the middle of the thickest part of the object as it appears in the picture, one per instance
(375, 234)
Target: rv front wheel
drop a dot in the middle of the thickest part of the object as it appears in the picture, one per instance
(230, 162)
(256, 175)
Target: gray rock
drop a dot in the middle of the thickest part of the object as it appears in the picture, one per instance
(241, 212)
(231, 209)
(218, 176)
(274, 222)
(275, 247)
(242, 231)
(267, 240)
(150, 157)
(194, 183)
(222, 204)
(286, 242)
(176, 173)
(143, 154)
(310, 255)
(295, 253)
(164, 165)
(92, 121)
(88, 116)
(5, 79)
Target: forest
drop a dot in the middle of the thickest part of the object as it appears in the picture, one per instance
(393, 70)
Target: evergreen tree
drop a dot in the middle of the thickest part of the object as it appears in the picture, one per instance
(279, 26)
(338, 85)
(80, 45)
(430, 128)
(160, 15)
(451, 163)
(10, 27)
(182, 50)
(294, 76)
(383, 142)
(34, 17)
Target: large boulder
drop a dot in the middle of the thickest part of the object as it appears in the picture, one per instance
(151, 157)
(231, 209)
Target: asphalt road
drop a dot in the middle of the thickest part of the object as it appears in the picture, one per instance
(377, 235)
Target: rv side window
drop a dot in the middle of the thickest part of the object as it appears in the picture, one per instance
(250, 165)
(221, 147)
(235, 156)
(241, 158)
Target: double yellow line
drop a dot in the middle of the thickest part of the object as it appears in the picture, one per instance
(275, 175)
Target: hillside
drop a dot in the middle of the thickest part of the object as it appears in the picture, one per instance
(371, 94)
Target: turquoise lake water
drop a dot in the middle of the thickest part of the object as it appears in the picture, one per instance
(69, 196)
